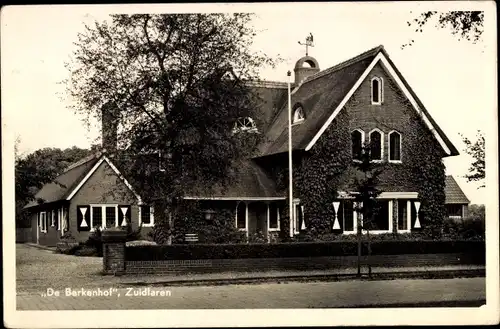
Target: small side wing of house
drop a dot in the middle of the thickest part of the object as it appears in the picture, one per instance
(66, 185)
(453, 192)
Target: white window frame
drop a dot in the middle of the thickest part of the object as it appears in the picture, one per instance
(354, 217)
(296, 119)
(52, 218)
(380, 90)
(400, 147)
(362, 142)
(269, 228)
(246, 217)
(239, 125)
(43, 222)
(381, 143)
(296, 223)
(408, 218)
(151, 216)
(103, 215)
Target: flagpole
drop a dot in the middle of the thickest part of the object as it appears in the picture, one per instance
(290, 182)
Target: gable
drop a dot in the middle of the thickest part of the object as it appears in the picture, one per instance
(323, 96)
(382, 58)
(317, 95)
(109, 177)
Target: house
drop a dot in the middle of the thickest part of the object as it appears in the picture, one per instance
(335, 111)
(457, 203)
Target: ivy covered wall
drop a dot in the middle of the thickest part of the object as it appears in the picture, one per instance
(327, 167)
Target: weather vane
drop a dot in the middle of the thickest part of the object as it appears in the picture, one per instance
(308, 43)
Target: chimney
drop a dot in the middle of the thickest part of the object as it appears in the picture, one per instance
(305, 67)
(109, 115)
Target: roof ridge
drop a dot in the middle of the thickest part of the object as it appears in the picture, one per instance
(345, 63)
(266, 83)
(82, 161)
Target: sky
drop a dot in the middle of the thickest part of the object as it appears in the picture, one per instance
(454, 78)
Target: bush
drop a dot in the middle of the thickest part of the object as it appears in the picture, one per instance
(87, 251)
(299, 249)
(95, 241)
(257, 237)
(68, 248)
(68, 237)
(140, 243)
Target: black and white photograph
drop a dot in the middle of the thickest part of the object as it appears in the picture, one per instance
(250, 164)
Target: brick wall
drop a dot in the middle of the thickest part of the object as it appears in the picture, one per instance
(393, 114)
(114, 251)
(103, 187)
(295, 263)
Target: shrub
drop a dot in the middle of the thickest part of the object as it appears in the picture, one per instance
(300, 249)
(69, 248)
(86, 251)
(257, 237)
(68, 236)
(133, 235)
(95, 241)
(140, 243)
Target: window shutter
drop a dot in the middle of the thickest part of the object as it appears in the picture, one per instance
(124, 215)
(83, 218)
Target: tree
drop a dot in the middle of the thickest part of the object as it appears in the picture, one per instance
(476, 151)
(365, 195)
(467, 25)
(40, 167)
(178, 85)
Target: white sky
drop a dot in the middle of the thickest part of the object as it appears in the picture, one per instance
(455, 79)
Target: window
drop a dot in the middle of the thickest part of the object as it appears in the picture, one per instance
(406, 215)
(110, 217)
(43, 222)
(241, 216)
(52, 218)
(376, 145)
(57, 219)
(299, 220)
(454, 210)
(394, 146)
(346, 215)
(274, 217)
(245, 124)
(298, 115)
(381, 219)
(357, 137)
(403, 206)
(146, 216)
(377, 91)
(96, 218)
(102, 216)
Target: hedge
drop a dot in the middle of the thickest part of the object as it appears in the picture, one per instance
(298, 249)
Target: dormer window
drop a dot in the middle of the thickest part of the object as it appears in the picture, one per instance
(298, 115)
(377, 91)
(245, 124)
